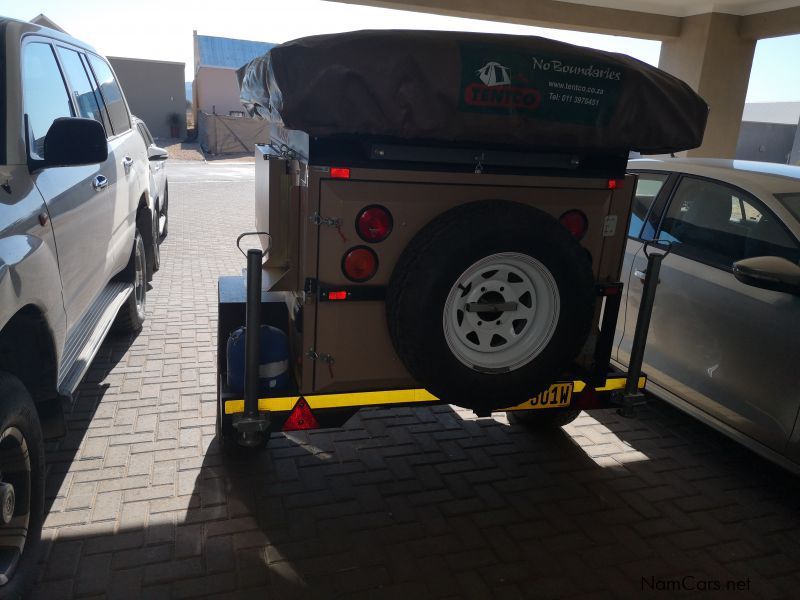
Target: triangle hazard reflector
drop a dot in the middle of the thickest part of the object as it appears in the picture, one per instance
(301, 417)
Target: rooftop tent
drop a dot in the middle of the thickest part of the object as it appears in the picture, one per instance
(472, 88)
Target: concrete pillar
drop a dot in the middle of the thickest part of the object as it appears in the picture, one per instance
(794, 155)
(715, 61)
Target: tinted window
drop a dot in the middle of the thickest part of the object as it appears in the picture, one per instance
(148, 139)
(143, 135)
(718, 225)
(45, 95)
(766, 235)
(87, 99)
(647, 189)
(792, 202)
(115, 103)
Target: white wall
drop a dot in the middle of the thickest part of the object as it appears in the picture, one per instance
(217, 90)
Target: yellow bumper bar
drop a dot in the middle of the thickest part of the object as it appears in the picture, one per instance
(359, 399)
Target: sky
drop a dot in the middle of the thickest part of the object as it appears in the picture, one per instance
(162, 30)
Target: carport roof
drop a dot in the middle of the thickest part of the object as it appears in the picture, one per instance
(228, 52)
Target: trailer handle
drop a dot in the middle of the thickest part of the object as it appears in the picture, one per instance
(256, 233)
(632, 397)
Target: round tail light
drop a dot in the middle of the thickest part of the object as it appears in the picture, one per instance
(576, 222)
(359, 264)
(374, 224)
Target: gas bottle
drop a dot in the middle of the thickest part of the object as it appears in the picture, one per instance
(273, 368)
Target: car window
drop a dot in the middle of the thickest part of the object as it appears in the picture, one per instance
(148, 139)
(766, 235)
(112, 94)
(143, 135)
(87, 99)
(44, 92)
(718, 225)
(792, 202)
(647, 188)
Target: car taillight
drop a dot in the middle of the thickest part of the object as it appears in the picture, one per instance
(374, 224)
(576, 222)
(359, 264)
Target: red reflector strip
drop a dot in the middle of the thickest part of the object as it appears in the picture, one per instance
(301, 417)
(337, 295)
(340, 173)
(616, 184)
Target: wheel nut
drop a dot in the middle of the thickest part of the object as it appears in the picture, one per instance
(7, 502)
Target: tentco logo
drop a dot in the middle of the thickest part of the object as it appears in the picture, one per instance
(505, 96)
(493, 73)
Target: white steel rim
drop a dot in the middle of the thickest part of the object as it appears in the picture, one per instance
(501, 341)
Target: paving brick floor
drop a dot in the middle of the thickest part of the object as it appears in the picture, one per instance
(425, 503)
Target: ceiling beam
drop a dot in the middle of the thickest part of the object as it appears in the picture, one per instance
(546, 13)
(770, 24)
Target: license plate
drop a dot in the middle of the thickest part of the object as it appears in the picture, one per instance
(558, 395)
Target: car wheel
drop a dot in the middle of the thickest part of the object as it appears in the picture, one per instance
(163, 214)
(22, 477)
(490, 303)
(543, 420)
(132, 314)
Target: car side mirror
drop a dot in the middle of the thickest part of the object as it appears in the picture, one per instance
(73, 141)
(155, 153)
(770, 273)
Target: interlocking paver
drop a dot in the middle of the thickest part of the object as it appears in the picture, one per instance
(427, 503)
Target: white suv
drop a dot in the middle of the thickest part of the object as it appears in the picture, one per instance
(77, 246)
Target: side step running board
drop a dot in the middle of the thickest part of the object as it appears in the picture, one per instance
(88, 334)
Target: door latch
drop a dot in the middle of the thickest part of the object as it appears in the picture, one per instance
(323, 358)
(317, 219)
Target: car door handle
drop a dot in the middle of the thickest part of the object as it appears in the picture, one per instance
(100, 183)
(127, 162)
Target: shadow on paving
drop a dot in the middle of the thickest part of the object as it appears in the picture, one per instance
(422, 503)
(61, 453)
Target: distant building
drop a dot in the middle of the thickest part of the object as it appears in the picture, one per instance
(44, 21)
(770, 132)
(216, 59)
(155, 90)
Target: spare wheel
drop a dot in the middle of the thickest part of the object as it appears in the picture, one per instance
(490, 303)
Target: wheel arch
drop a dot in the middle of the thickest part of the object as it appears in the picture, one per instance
(27, 351)
(145, 222)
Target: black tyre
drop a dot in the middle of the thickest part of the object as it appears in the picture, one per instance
(163, 214)
(132, 314)
(22, 476)
(490, 303)
(543, 420)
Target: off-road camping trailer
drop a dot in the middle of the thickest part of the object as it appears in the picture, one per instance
(442, 219)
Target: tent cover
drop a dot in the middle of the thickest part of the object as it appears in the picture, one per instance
(472, 88)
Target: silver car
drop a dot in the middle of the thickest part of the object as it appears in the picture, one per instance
(159, 185)
(725, 332)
